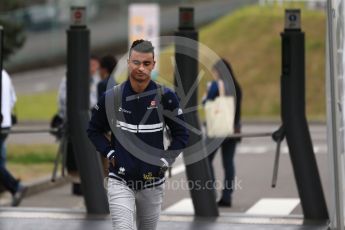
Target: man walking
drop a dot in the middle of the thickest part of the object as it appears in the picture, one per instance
(8, 100)
(59, 119)
(107, 65)
(144, 108)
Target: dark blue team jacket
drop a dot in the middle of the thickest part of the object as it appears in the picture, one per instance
(138, 127)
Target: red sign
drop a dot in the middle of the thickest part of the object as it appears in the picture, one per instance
(77, 15)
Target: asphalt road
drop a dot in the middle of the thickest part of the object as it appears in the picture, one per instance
(254, 167)
(110, 30)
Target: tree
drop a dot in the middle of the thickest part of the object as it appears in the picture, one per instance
(14, 37)
(14, 31)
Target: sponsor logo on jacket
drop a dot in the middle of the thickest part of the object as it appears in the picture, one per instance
(124, 110)
(121, 171)
(148, 176)
(153, 105)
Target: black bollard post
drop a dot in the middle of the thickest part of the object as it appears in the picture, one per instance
(203, 197)
(1, 67)
(295, 122)
(88, 161)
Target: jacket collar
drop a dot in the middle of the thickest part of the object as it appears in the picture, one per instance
(150, 86)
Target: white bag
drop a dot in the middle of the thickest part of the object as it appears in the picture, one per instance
(220, 115)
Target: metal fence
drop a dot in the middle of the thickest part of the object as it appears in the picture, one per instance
(335, 104)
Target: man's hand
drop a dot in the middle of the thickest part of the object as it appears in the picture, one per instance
(164, 167)
(163, 170)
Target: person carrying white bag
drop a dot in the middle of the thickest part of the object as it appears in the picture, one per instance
(223, 118)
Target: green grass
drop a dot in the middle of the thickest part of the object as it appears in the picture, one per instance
(36, 107)
(30, 172)
(30, 162)
(31, 154)
(250, 39)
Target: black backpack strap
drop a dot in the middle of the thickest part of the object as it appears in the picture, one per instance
(160, 96)
(118, 91)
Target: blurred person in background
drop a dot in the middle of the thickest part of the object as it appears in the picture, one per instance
(8, 100)
(94, 80)
(59, 119)
(228, 146)
(107, 65)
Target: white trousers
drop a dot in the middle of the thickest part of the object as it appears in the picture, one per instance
(128, 206)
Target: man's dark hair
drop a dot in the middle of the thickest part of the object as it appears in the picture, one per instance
(142, 46)
(94, 57)
(108, 62)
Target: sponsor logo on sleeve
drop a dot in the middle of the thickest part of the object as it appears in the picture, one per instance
(121, 171)
(179, 112)
(153, 105)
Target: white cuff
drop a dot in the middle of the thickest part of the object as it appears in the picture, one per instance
(165, 162)
(110, 153)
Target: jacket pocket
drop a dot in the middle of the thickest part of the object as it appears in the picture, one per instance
(124, 166)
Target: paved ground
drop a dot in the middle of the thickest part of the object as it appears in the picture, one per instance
(31, 138)
(254, 166)
(57, 219)
(41, 80)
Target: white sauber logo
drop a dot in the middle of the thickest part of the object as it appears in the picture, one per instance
(124, 110)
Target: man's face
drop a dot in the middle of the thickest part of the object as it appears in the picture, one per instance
(140, 66)
(103, 72)
(94, 66)
(215, 74)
